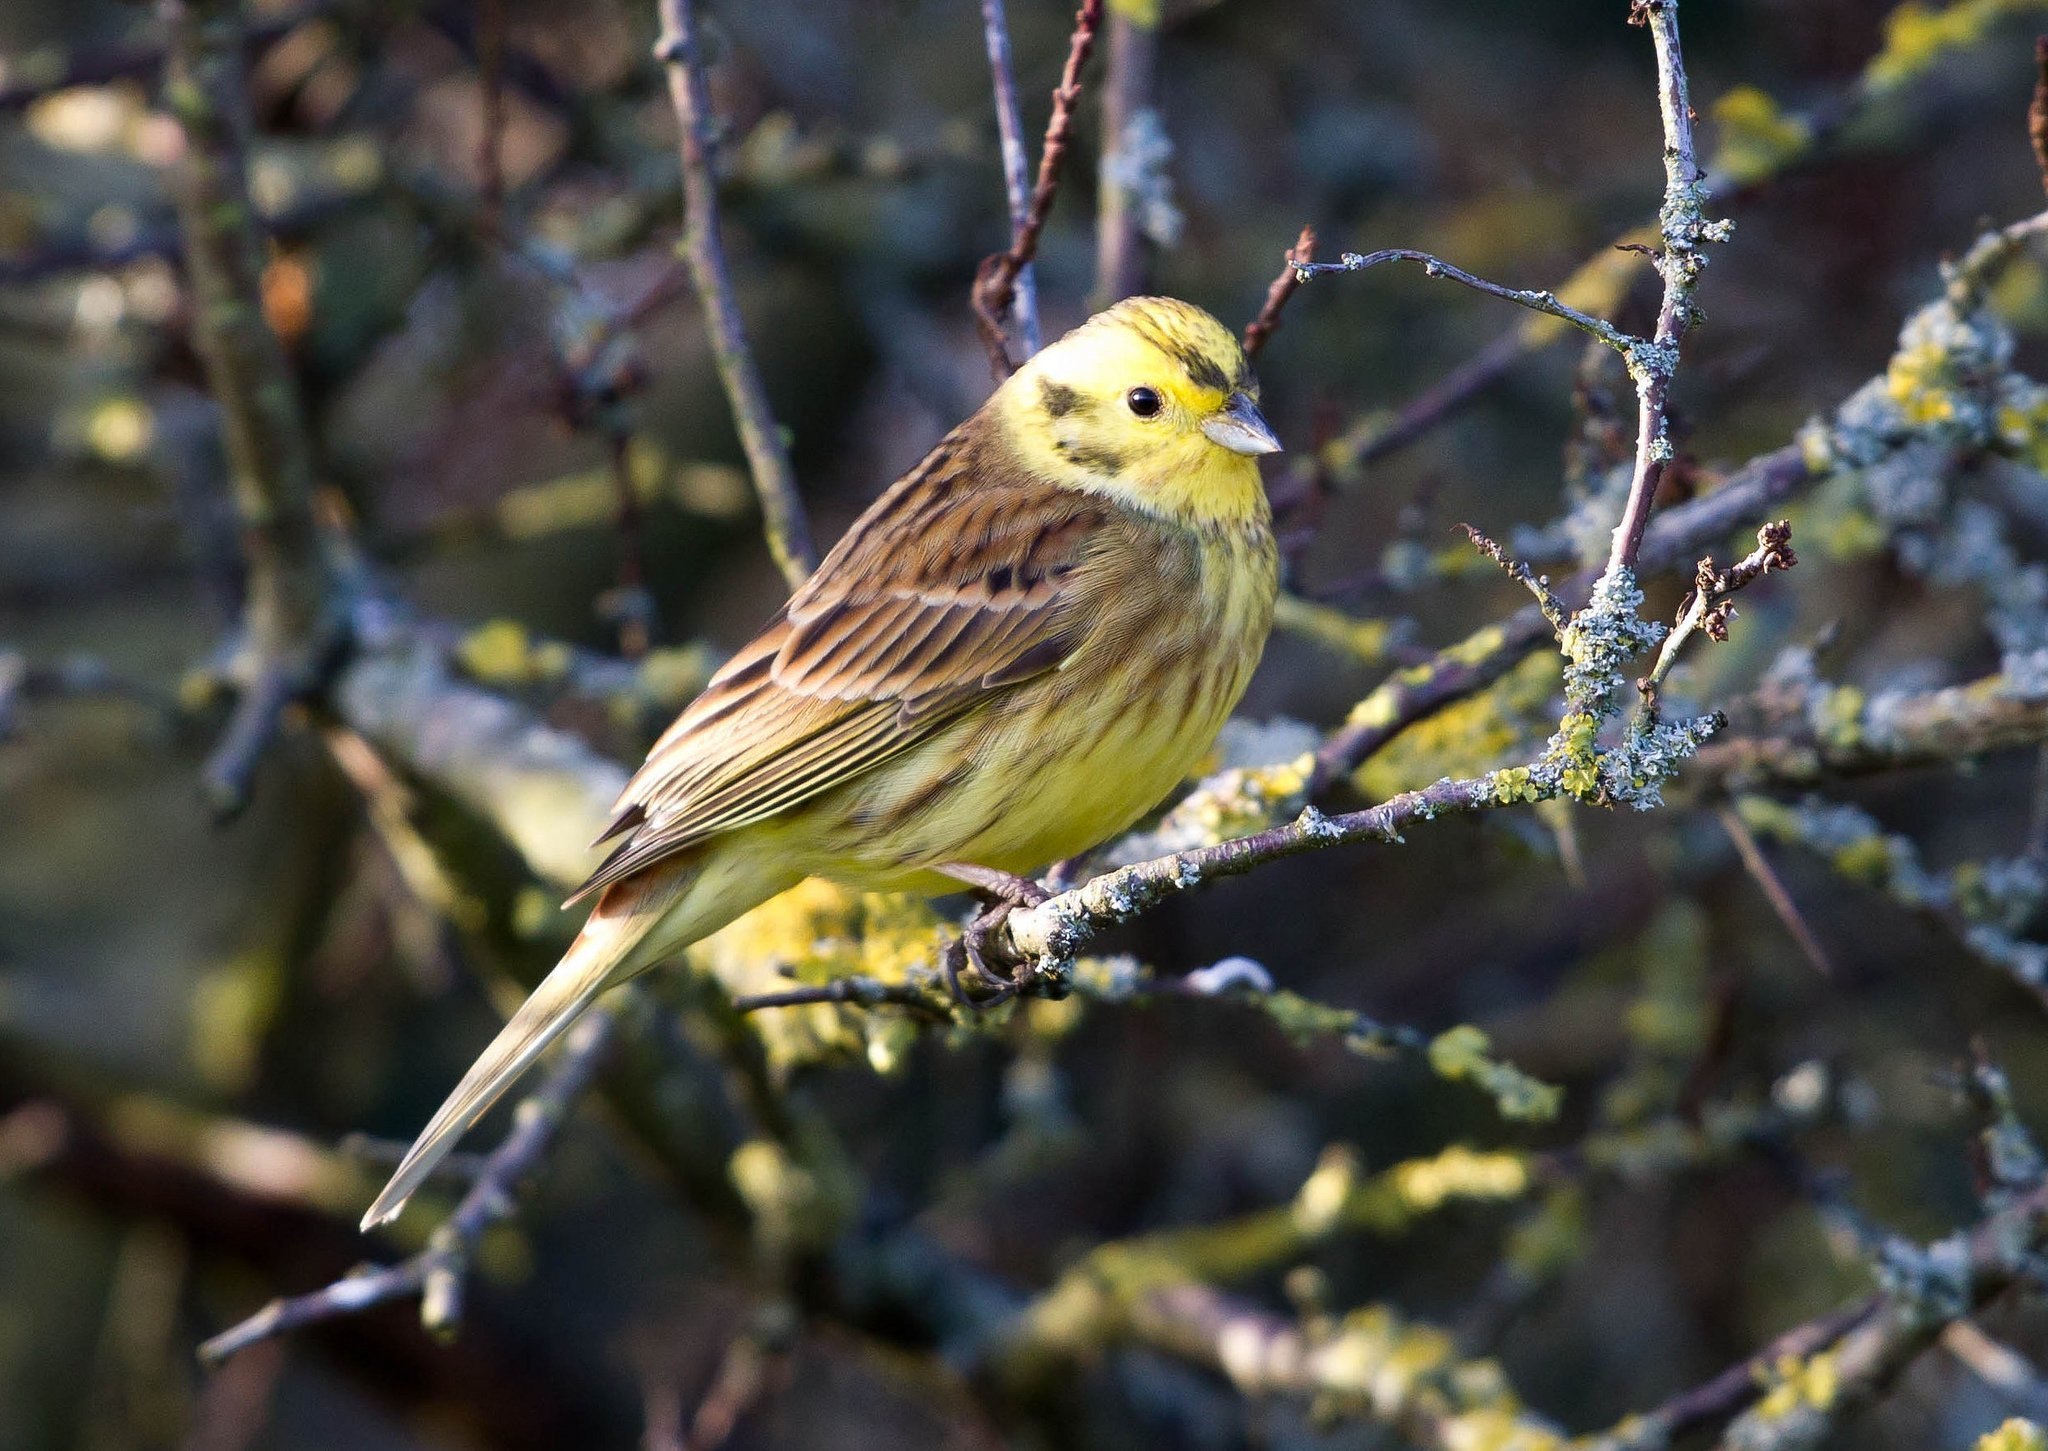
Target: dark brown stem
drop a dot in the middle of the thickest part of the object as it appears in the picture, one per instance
(995, 283)
(490, 147)
(782, 511)
(1262, 327)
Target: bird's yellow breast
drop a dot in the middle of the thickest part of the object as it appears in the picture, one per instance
(1074, 757)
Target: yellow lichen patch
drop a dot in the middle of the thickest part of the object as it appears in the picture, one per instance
(814, 933)
(1839, 717)
(501, 652)
(1465, 739)
(1364, 640)
(1460, 1173)
(794, 1205)
(1920, 379)
(2015, 1435)
(1797, 1385)
(1756, 138)
(120, 430)
(1497, 1429)
(1918, 36)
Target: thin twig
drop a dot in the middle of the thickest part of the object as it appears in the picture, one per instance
(782, 511)
(995, 27)
(926, 998)
(436, 1273)
(995, 282)
(628, 603)
(1707, 607)
(490, 146)
(1538, 585)
(1262, 327)
(1536, 300)
(1773, 887)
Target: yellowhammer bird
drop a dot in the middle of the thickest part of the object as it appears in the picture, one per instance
(1023, 646)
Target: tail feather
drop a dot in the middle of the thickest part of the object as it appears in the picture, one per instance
(636, 923)
(587, 970)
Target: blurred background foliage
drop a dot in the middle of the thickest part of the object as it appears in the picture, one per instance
(193, 1018)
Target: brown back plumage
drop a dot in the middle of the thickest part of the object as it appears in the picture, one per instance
(955, 584)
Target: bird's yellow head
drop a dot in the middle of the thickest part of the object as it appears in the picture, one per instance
(1152, 402)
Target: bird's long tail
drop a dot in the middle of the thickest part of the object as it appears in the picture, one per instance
(635, 923)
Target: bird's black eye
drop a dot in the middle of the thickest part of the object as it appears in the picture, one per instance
(1144, 401)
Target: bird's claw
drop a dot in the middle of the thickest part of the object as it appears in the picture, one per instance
(979, 946)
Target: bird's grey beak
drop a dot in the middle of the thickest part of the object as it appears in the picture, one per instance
(1240, 427)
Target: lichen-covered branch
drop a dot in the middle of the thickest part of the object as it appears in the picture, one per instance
(1109, 1295)
(782, 512)
(1986, 904)
(1683, 225)
(1759, 143)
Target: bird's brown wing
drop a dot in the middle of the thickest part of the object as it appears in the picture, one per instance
(954, 585)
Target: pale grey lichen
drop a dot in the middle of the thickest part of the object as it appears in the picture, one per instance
(1139, 168)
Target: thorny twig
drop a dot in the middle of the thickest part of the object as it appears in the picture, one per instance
(1262, 327)
(436, 1273)
(782, 512)
(995, 282)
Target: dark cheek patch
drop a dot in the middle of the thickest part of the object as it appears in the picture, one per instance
(1060, 400)
(1087, 456)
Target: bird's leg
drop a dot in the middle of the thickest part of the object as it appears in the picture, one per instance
(1003, 892)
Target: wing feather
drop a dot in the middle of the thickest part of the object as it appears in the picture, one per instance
(962, 581)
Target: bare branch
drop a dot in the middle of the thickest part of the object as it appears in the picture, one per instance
(1535, 300)
(1262, 327)
(1773, 887)
(1538, 585)
(436, 1273)
(995, 283)
(782, 511)
(995, 26)
(1707, 607)
(2037, 112)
